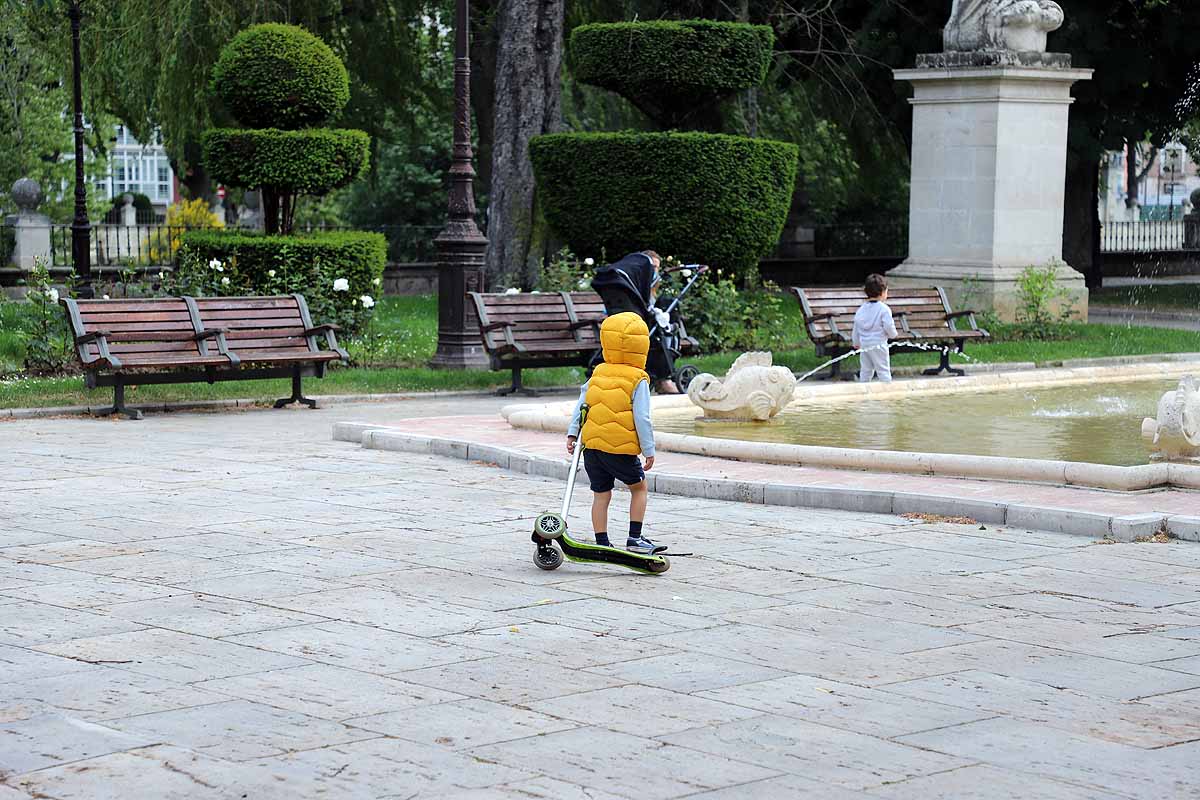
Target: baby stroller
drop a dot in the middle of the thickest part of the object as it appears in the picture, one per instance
(627, 285)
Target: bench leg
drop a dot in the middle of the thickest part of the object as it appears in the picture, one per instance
(297, 393)
(944, 366)
(118, 406)
(517, 387)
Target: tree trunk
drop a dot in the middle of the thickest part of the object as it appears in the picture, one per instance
(528, 94)
(483, 91)
(1081, 219)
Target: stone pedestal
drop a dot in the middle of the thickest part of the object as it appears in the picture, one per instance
(30, 229)
(988, 175)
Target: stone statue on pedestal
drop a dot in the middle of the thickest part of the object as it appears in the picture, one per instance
(1016, 25)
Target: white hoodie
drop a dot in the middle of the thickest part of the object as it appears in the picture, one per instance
(873, 324)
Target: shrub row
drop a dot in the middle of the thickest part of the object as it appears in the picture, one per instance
(715, 199)
(310, 265)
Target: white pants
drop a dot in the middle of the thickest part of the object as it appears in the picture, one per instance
(875, 363)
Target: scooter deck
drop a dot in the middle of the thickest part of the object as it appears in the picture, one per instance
(587, 553)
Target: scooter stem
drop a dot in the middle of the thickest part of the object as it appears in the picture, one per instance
(566, 506)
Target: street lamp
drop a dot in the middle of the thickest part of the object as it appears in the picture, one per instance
(81, 228)
(461, 246)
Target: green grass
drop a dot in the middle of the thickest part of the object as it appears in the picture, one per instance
(403, 337)
(1173, 296)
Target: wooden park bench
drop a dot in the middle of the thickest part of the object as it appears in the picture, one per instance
(190, 340)
(922, 316)
(525, 331)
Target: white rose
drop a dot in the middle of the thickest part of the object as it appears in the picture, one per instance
(161, 275)
(687, 273)
(214, 264)
(367, 301)
(513, 290)
(52, 295)
(341, 285)
(587, 262)
(378, 281)
(583, 284)
(219, 268)
(224, 281)
(270, 273)
(105, 297)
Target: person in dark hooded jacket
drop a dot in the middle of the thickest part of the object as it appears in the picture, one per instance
(631, 285)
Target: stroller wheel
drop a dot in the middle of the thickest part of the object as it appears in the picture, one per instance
(684, 376)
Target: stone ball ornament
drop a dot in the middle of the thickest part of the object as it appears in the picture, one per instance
(27, 194)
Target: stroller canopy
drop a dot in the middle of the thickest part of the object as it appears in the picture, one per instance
(634, 274)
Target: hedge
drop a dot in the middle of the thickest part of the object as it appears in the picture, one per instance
(280, 76)
(308, 162)
(710, 198)
(666, 68)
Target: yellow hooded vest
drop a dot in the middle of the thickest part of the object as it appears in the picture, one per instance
(609, 427)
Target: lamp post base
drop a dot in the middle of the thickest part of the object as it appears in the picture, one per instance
(460, 270)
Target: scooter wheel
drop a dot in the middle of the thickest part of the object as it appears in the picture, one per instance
(547, 558)
(659, 567)
(684, 376)
(549, 526)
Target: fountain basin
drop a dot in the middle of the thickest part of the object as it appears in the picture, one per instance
(1009, 456)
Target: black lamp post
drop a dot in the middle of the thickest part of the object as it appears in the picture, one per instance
(461, 246)
(81, 228)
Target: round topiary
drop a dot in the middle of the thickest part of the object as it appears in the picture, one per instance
(720, 200)
(312, 161)
(668, 69)
(280, 76)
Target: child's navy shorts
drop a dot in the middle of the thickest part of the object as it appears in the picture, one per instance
(605, 469)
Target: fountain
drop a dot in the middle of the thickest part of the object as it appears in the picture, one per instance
(753, 390)
(1175, 434)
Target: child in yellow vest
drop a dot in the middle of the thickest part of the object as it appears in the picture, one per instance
(618, 427)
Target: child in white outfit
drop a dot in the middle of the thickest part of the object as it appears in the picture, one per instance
(873, 327)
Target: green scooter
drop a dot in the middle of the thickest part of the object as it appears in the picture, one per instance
(550, 528)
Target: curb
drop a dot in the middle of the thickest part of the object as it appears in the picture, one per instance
(1121, 528)
(208, 405)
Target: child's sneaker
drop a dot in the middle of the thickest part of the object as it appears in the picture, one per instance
(640, 544)
(602, 540)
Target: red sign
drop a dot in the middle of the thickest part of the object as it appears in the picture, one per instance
(221, 192)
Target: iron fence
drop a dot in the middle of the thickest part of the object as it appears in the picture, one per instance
(861, 239)
(1146, 236)
(121, 246)
(407, 244)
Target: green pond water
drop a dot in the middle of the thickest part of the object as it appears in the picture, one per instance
(1098, 423)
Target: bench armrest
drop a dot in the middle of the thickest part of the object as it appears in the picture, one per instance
(584, 323)
(833, 326)
(495, 326)
(903, 317)
(94, 336)
(209, 333)
(970, 316)
(330, 332)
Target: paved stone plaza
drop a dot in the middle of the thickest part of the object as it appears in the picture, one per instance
(233, 606)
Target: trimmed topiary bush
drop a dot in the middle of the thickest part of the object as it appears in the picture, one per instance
(273, 79)
(721, 200)
(280, 76)
(305, 162)
(668, 69)
(313, 266)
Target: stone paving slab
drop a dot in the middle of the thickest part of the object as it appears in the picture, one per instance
(260, 612)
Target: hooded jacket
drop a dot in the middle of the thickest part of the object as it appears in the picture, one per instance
(625, 342)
